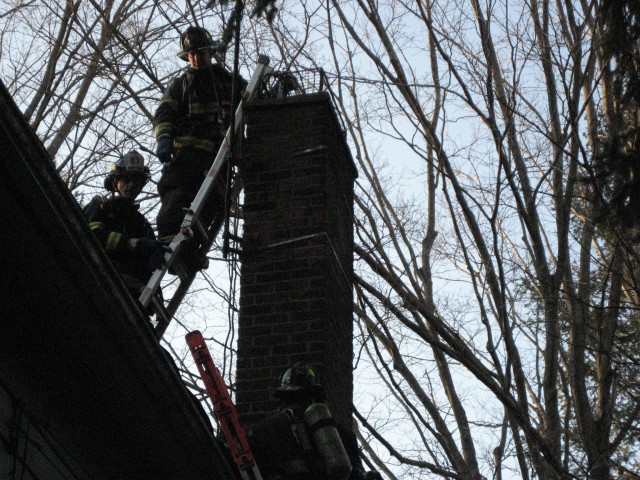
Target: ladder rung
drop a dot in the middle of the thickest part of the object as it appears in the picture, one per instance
(201, 230)
(162, 316)
(157, 303)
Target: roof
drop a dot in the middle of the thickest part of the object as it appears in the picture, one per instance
(75, 349)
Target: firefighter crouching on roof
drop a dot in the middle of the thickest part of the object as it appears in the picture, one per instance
(301, 441)
(189, 124)
(122, 230)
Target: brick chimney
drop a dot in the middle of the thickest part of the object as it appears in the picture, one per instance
(296, 301)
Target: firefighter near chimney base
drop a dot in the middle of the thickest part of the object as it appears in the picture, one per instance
(301, 440)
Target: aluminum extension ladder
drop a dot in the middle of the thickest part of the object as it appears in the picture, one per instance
(192, 227)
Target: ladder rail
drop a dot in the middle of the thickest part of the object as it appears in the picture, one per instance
(221, 157)
(192, 216)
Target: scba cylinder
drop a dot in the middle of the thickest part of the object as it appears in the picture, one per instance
(326, 440)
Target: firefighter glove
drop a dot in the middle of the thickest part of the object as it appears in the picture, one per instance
(153, 250)
(164, 149)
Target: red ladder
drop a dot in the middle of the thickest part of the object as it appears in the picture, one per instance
(223, 407)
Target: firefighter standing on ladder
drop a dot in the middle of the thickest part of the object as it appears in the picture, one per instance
(189, 125)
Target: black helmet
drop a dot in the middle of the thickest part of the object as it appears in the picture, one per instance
(193, 39)
(299, 378)
(131, 163)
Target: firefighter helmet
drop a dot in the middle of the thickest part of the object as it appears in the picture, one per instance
(131, 163)
(194, 39)
(299, 378)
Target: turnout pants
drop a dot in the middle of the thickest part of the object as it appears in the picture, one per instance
(179, 185)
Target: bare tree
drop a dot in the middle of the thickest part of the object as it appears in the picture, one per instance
(490, 301)
(496, 303)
